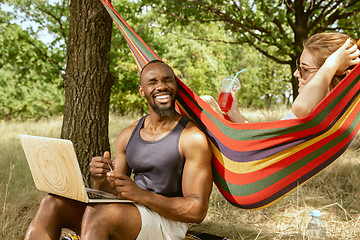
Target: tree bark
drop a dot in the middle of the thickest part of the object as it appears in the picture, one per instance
(87, 81)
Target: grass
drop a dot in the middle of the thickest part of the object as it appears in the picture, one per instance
(335, 191)
(20, 198)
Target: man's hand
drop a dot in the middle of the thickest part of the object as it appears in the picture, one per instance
(124, 187)
(99, 166)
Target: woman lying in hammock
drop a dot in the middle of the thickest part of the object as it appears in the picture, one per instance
(325, 60)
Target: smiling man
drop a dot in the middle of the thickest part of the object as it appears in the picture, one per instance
(159, 86)
(170, 159)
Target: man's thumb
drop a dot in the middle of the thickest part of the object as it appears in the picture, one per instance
(107, 155)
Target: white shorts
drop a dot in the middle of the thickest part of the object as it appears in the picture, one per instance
(154, 226)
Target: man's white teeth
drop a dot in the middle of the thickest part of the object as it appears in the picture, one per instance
(163, 96)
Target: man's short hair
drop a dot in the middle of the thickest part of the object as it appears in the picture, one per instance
(155, 61)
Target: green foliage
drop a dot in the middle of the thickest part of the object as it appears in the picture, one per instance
(195, 62)
(203, 64)
(42, 17)
(200, 64)
(125, 97)
(265, 84)
(203, 41)
(29, 81)
(33, 98)
(274, 28)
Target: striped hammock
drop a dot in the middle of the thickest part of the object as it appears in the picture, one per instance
(256, 164)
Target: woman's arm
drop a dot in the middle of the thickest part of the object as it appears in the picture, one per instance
(318, 87)
(234, 113)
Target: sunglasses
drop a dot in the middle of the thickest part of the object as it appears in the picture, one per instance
(304, 72)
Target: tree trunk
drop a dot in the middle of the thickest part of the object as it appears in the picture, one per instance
(87, 81)
(294, 82)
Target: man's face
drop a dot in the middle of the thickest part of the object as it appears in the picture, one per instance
(159, 86)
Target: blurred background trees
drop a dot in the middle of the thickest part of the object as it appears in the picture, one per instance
(274, 28)
(30, 70)
(203, 41)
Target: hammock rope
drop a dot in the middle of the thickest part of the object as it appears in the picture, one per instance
(256, 164)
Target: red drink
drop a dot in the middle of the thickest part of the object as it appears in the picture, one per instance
(225, 101)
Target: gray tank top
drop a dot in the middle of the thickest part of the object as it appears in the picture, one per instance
(157, 165)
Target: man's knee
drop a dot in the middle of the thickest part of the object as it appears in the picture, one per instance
(46, 220)
(66, 212)
(52, 203)
(97, 216)
(112, 219)
(100, 214)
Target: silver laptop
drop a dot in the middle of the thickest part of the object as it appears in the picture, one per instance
(55, 169)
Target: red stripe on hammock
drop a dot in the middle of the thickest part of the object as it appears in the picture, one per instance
(107, 3)
(284, 182)
(250, 145)
(247, 178)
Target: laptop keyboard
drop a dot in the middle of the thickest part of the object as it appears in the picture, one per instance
(96, 194)
(99, 196)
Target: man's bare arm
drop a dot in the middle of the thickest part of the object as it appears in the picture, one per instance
(196, 183)
(100, 165)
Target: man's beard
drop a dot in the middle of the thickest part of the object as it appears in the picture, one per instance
(162, 111)
(165, 111)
